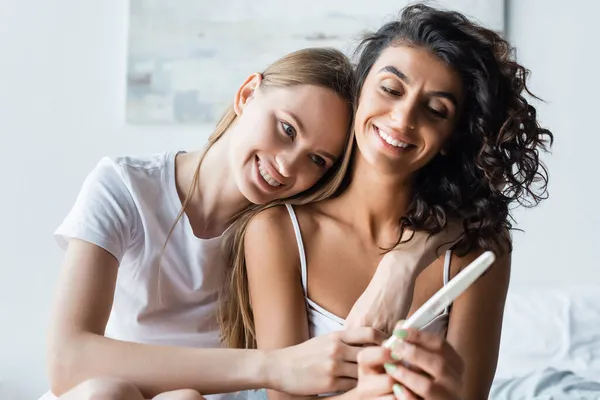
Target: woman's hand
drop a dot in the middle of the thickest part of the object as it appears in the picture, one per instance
(373, 382)
(323, 364)
(420, 365)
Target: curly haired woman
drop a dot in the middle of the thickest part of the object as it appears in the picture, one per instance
(444, 136)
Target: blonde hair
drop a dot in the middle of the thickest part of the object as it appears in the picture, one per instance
(324, 67)
(315, 66)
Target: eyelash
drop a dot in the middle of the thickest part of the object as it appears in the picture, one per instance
(318, 160)
(287, 126)
(391, 92)
(438, 114)
(395, 93)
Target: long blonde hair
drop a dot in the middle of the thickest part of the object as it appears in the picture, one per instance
(323, 67)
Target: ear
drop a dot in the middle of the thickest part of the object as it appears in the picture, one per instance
(246, 92)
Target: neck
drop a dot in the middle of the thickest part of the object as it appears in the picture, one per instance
(216, 199)
(376, 201)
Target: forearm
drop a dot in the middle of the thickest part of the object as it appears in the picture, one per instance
(156, 369)
(386, 300)
(273, 395)
(389, 294)
(349, 395)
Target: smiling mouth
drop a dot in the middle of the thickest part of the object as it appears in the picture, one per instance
(267, 177)
(391, 141)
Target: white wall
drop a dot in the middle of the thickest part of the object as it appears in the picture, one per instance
(62, 76)
(62, 72)
(559, 41)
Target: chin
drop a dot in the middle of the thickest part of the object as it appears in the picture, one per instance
(255, 197)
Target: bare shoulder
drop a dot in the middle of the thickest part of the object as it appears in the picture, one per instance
(272, 218)
(484, 300)
(494, 280)
(269, 236)
(500, 267)
(272, 224)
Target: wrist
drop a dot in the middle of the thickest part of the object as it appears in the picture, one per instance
(394, 298)
(349, 395)
(268, 369)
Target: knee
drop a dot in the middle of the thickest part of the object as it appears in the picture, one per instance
(189, 394)
(109, 389)
(182, 394)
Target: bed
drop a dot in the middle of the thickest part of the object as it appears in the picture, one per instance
(550, 346)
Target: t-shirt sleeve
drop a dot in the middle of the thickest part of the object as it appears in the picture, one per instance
(104, 213)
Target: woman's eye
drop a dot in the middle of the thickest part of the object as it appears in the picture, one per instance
(318, 160)
(442, 114)
(390, 91)
(288, 129)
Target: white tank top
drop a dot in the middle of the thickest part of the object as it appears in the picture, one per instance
(321, 321)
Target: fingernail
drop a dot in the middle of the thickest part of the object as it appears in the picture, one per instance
(399, 324)
(398, 391)
(395, 356)
(401, 333)
(389, 367)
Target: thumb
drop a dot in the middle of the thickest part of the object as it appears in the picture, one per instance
(398, 326)
(398, 334)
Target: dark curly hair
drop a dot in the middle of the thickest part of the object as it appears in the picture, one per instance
(493, 155)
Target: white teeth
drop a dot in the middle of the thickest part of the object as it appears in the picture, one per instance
(392, 141)
(268, 178)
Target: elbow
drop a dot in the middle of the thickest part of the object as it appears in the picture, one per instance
(64, 364)
(59, 381)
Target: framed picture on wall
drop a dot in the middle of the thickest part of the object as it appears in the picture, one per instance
(186, 58)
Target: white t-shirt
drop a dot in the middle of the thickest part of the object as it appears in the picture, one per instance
(127, 206)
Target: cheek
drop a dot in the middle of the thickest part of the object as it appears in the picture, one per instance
(366, 104)
(437, 136)
(257, 133)
(308, 177)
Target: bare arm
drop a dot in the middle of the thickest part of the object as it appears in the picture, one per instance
(279, 308)
(461, 366)
(471, 345)
(79, 351)
(380, 306)
(274, 283)
(476, 324)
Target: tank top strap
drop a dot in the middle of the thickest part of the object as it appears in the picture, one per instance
(298, 234)
(447, 260)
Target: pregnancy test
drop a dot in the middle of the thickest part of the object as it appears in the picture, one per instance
(446, 295)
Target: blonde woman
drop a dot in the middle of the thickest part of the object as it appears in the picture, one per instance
(135, 311)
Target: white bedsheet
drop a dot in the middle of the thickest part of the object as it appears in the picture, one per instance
(551, 328)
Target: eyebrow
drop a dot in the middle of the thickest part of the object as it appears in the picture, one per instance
(298, 122)
(396, 72)
(447, 95)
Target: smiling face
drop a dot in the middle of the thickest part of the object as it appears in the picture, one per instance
(408, 107)
(285, 138)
